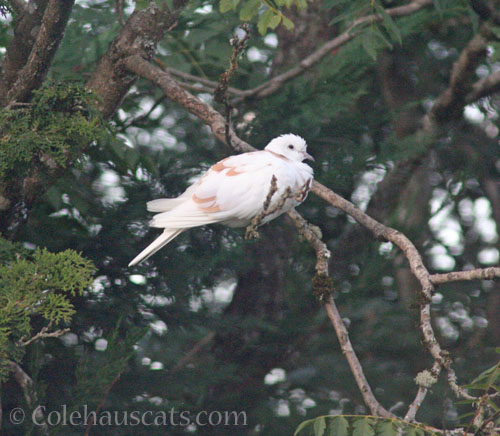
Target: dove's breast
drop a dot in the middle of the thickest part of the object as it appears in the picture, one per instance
(251, 189)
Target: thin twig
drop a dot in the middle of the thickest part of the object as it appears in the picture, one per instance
(422, 392)
(203, 342)
(209, 84)
(220, 93)
(43, 333)
(490, 273)
(273, 85)
(93, 416)
(356, 369)
(251, 230)
(138, 120)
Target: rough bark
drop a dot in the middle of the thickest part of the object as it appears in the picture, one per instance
(45, 46)
(26, 30)
(139, 36)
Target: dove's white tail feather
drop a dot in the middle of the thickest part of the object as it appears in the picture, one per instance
(156, 245)
(187, 215)
(164, 204)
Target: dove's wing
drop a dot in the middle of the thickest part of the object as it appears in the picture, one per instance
(232, 191)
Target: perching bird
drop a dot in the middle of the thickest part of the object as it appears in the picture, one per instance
(233, 191)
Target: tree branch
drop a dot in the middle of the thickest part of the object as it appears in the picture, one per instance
(474, 274)
(44, 49)
(26, 384)
(191, 353)
(311, 235)
(139, 36)
(43, 333)
(484, 87)
(418, 269)
(217, 123)
(449, 105)
(273, 85)
(210, 84)
(20, 45)
(100, 405)
(188, 101)
(356, 369)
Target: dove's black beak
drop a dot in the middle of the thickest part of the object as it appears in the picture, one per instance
(308, 156)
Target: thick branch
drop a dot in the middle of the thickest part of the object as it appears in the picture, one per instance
(188, 101)
(20, 46)
(26, 384)
(450, 103)
(139, 36)
(47, 42)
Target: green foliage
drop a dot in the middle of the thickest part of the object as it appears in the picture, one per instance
(359, 425)
(485, 415)
(268, 13)
(36, 289)
(93, 386)
(52, 131)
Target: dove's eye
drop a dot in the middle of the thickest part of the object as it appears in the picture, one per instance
(290, 147)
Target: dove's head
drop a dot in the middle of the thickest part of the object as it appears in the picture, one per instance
(291, 146)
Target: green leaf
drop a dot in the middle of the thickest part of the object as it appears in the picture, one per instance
(275, 21)
(339, 426)
(363, 427)
(288, 23)
(319, 426)
(413, 431)
(228, 5)
(369, 46)
(389, 24)
(380, 36)
(386, 428)
(249, 10)
(302, 426)
(264, 21)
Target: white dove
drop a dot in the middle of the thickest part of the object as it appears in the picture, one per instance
(233, 191)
